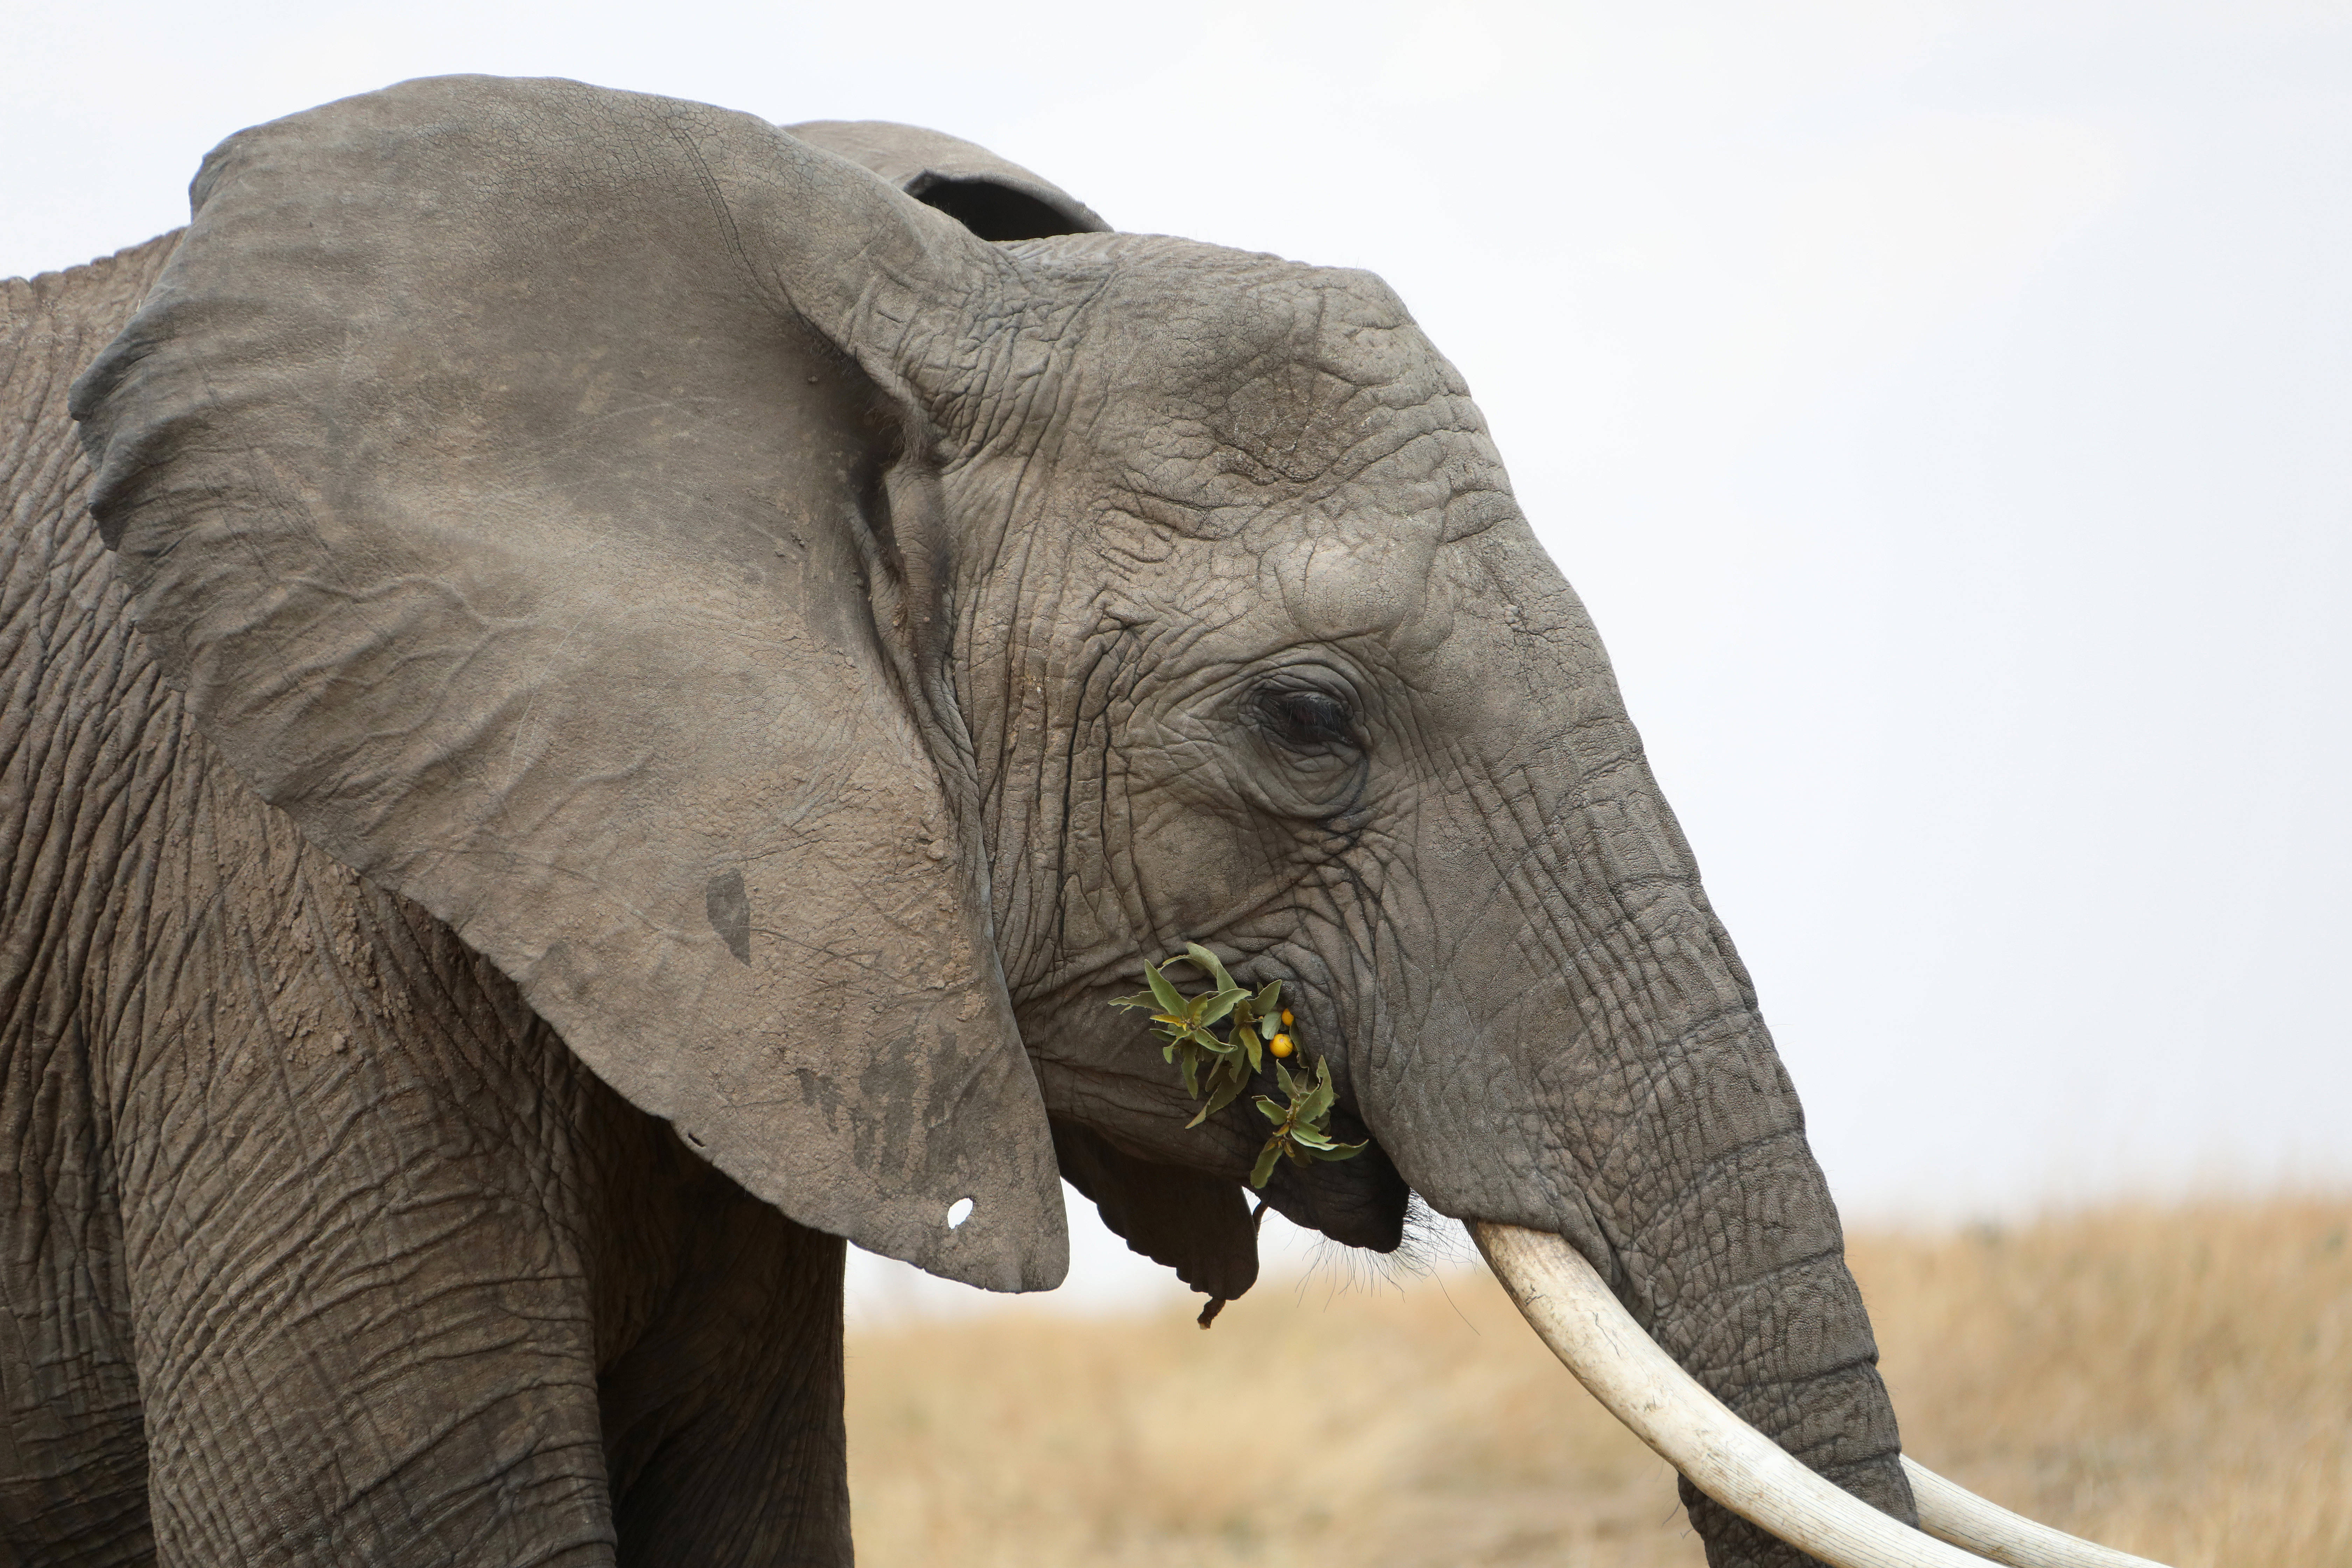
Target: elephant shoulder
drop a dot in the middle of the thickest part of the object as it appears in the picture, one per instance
(87, 734)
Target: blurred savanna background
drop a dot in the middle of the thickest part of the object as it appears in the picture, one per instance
(2176, 1381)
(1942, 407)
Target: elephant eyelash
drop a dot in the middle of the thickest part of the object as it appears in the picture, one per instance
(1307, 719)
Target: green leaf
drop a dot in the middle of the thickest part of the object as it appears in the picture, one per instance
(1216, 1007)
(1143, 1000)
(1255, 1047)
(1270, 1025)
(1317, 1104)
(1339, 1152)
(1289, 1084)
(1309, 1137)
(1269, 1000)
(1192, 1066)
(1273, 1112)
(1224, 1096)
(1206, 963)
(1170, 1000)
(1265, 1166)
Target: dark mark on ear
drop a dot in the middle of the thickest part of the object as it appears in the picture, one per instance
(729, 908)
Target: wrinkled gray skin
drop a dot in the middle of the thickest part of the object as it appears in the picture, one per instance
(670, 683)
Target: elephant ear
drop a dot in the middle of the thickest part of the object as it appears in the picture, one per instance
(994, 199)
(526, 484)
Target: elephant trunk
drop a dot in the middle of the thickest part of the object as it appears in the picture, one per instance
(1589, 1014)
(1598, 1018)
(1730, 1254)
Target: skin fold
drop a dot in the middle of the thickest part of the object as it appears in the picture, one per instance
(1134, 591)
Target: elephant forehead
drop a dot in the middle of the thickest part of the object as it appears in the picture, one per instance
(1243, 382)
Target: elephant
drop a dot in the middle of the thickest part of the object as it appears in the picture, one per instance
(599, 695)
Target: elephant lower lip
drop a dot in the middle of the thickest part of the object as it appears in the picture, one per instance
(1361, 1201)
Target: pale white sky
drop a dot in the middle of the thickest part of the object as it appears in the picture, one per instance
(1945, 409)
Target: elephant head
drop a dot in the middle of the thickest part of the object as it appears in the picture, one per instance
(821, 640)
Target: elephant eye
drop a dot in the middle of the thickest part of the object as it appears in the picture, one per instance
(1307, 719)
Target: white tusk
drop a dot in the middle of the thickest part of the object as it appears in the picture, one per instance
(1949, 1511)
(1585, 1325)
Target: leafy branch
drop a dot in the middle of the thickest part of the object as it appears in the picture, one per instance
(1219, 1067)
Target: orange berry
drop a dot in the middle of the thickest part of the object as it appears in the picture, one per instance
(1285, 1018)
(1280, 1046)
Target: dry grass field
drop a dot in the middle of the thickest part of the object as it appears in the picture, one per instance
(2177, 1383)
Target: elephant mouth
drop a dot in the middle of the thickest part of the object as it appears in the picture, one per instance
(1361, 1202)
(1574, 1313)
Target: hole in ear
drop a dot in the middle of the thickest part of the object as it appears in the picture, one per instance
(958, 1212)
(994, 212)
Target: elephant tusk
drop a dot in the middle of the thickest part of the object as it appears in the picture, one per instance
(1576, 1315)
(1949, 1511)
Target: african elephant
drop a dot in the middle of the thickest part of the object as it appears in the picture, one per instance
(638, 682)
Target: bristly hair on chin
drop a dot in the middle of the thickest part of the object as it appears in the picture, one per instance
(1433, 1244)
